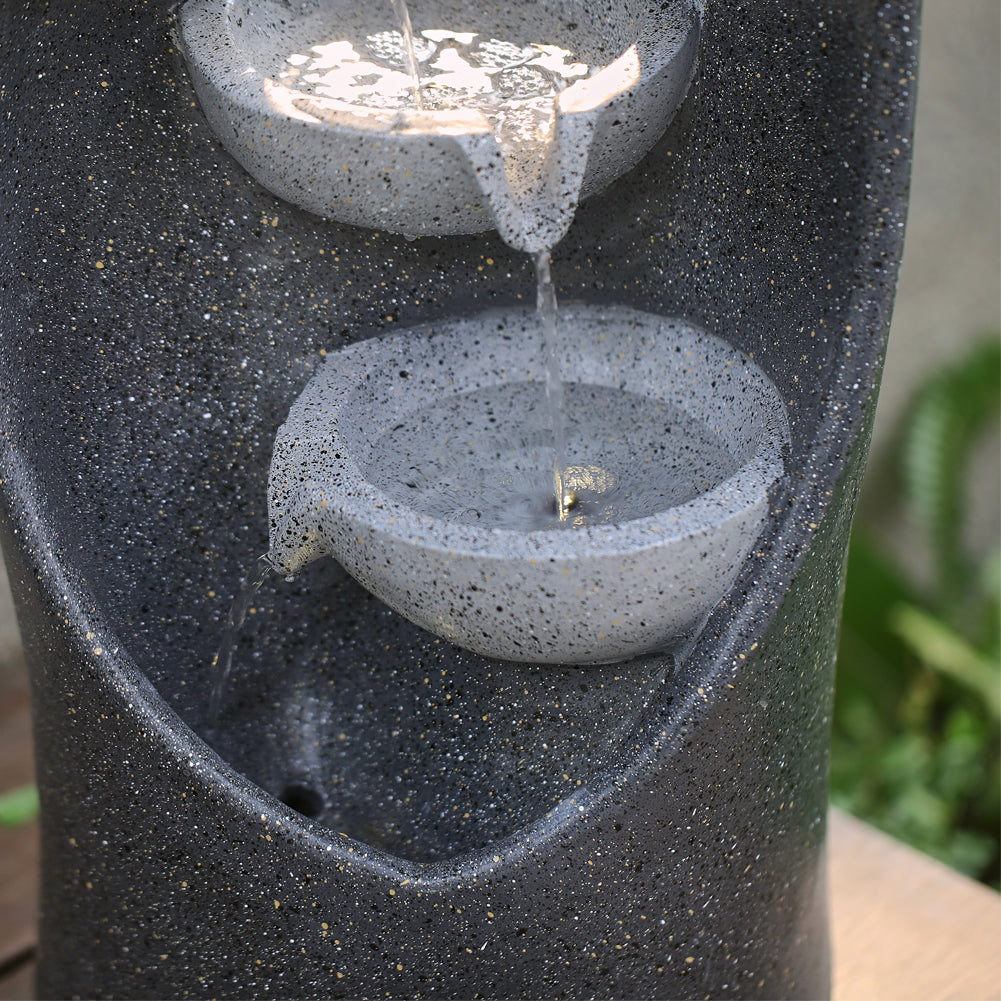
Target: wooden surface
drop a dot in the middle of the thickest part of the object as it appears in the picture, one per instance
(18, 900)
(904, 927)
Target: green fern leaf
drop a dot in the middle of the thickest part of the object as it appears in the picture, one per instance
(948, 414)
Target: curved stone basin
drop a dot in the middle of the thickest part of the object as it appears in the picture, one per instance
(419, 462)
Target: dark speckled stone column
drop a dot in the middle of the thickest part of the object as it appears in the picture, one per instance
(466, 828)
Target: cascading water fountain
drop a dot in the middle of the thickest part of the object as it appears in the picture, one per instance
(580, 756)
(665, 544)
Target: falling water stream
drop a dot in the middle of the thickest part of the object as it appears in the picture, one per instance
(515, 86)
(410, 62)
(546, 308)
(222, 663)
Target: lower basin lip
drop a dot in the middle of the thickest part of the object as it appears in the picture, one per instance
(367, 502)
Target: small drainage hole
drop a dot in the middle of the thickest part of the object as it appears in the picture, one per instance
(302, 799)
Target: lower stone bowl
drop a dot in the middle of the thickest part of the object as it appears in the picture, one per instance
(422, 462)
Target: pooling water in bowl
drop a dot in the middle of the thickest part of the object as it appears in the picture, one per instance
(474, 458)
(511, 76)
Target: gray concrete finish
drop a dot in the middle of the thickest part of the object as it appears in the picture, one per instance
(428, 172)
(698, 445)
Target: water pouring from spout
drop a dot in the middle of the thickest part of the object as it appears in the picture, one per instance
(410, 62)
(482, 129)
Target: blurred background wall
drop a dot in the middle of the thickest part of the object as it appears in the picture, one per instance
(948, 295)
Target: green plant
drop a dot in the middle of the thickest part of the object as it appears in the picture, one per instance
(18, 806)
(917, 723)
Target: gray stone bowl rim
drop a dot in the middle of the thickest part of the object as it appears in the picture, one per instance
(363, 503)
(220, 59)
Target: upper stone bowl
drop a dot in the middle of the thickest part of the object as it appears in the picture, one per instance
(312, 99)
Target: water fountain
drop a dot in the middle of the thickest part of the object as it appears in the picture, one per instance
(378, 808)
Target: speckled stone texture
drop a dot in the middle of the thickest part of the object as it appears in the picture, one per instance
(372, 467)
(478, 828)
